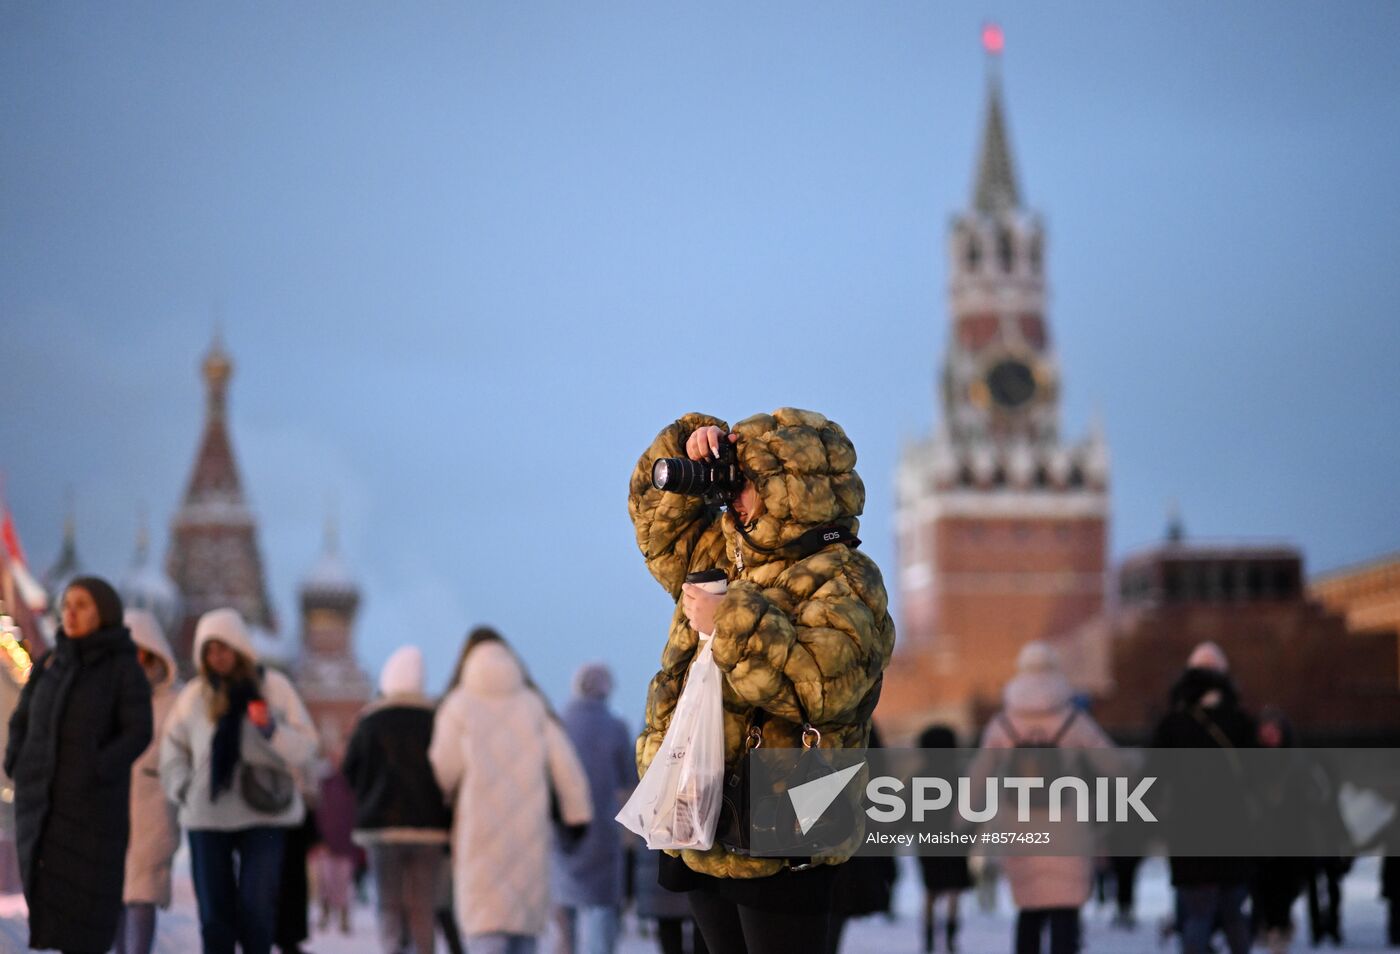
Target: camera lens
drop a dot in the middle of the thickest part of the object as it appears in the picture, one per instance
(680, 476)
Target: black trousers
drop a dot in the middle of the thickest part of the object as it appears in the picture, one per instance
(1325, 902)
(730, 928)
(1062, 922)
(294, 897)
(1125, 882)
(670, 935)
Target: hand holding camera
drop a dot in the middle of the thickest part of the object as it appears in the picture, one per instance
(704, 442)
(709, 470)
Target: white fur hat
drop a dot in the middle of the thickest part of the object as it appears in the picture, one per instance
(403, 672)
(1038, 657)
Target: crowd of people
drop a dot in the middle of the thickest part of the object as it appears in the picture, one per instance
(485, 817)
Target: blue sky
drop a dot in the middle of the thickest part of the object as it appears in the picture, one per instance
(470, 257)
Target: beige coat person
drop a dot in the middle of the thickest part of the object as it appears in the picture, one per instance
(155, 831)
(496, 752)
(1038, 705)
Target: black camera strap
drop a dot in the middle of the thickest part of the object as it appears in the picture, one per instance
(813, 541)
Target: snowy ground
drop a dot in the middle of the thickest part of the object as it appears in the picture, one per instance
(983, 933)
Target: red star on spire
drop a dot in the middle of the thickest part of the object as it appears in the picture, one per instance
(993, 40)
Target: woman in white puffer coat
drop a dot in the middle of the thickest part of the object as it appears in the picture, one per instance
(497, 753)
(155, 831)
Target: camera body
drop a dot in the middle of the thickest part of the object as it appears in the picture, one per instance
(717, 480)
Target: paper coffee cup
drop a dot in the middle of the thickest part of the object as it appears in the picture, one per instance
(711, 581)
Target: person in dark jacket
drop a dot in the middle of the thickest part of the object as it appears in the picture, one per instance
(1390, 890)
(1278, 881)
(83, 719)
(1206, 714)
(401, 817)
(945, 876)
(864, 885)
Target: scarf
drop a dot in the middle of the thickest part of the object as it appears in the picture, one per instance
(226, 751)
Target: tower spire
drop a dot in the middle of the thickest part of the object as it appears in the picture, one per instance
(143, 536)
(215, 474)
(67, 565)
(217, 369)
(331, 535)
(995, 190)
(213, 558)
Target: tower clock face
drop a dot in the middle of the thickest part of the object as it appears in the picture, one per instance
(1011, 383)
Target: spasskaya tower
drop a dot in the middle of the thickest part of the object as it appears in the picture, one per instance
(1002, 523)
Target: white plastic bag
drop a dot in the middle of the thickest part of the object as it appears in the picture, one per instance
(676, 803)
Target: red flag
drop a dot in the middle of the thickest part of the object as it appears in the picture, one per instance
(29, 588)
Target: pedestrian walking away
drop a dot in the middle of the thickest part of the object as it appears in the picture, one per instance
(945, 876)
(587, 875)
(1039, 713)
(501, 758)
(401, 818)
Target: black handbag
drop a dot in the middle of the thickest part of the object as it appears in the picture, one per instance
(266, 790)
(771, 815)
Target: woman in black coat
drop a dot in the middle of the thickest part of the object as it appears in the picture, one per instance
(83, 719)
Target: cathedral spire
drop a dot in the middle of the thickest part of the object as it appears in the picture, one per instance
(995, 190)
(331, 535)
(67, 565)
(213, 558)
(215, 476)
(217, 369)
(143, 536)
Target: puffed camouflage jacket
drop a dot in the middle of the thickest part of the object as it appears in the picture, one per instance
(792, 629)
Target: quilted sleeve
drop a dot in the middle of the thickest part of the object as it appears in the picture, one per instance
(670, 527)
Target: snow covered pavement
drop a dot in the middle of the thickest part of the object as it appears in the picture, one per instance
(982, 933)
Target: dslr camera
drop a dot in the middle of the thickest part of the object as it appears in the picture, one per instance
(717, 480)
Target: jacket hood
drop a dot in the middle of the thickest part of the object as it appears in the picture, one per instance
(1195, 684)
(804, 469)
(1039, 685)
(1038, 692)
(147, 634)
(402, 674)
(227, 626)
(492, 670)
